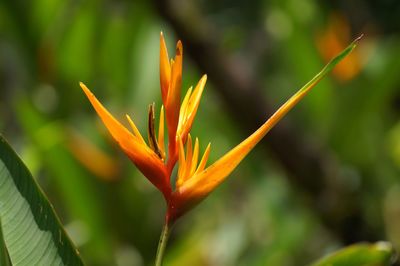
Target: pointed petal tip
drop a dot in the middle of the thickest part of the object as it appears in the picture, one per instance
(162, 39)
(204, 79)
(359, 38)
(82, 85)
(179, 48)
(86, 89)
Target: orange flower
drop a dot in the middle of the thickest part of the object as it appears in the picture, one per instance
(195, 181)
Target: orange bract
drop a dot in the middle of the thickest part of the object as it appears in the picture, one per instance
(133, 145)
(195, 181)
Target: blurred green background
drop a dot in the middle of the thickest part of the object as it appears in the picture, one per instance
(325, 177)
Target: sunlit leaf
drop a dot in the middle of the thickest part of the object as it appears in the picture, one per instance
(32, 232)
(76, 191)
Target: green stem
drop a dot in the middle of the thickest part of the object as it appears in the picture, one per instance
(162, 244)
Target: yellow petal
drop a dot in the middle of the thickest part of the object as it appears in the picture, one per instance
(204, 159)
(143, 157)
(192, 106)
(165, 69)
(195, 98)
(189, 156)
(182, 112)
(202, 183)
(195, 158)
(136, 132)
(182, 163)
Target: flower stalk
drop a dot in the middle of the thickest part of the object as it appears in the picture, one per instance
(162, 244)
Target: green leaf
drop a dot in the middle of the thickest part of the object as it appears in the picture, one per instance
(77, 191)
(4, 258)
(33, 234)
(378, 254)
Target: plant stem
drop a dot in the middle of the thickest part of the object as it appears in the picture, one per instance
(162, 244)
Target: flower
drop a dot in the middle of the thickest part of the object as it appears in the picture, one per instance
(194, 180)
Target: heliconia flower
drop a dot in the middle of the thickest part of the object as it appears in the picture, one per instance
(194, 180)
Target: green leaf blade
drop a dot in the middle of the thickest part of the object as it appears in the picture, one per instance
(4, 257)
(378, 254)
(33, 234)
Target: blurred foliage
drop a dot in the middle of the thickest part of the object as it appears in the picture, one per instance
(379, 254)
(257, 217)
